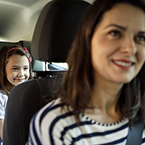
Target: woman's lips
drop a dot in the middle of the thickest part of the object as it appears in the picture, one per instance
(124, 64)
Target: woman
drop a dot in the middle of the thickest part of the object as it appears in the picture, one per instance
(104, 89)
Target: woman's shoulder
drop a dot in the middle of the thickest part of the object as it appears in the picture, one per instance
(51, 118)
(54, 113)
(53, 109)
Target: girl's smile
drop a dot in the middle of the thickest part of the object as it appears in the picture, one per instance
(17, 69)
(19, 79)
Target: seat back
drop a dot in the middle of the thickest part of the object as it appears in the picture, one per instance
(53, 35)
(24, 101)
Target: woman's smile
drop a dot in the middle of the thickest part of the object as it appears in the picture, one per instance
(117, 46)
(123, 64)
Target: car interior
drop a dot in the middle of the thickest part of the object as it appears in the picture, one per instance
(53, 31)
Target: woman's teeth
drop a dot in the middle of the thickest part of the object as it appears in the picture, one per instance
(123, 63)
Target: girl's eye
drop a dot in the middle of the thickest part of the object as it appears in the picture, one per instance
(115, 33)
(15, 68)
(25, 68)
(140, 39)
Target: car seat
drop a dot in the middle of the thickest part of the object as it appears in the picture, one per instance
(53, 35)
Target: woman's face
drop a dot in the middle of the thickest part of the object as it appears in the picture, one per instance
(118, 44)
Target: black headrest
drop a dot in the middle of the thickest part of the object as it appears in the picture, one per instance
(56, 28)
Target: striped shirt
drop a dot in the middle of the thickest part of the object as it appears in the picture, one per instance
(53, 126)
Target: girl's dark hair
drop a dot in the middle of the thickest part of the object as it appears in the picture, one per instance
(5, 54)
(79, 80)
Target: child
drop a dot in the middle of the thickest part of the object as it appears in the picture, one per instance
(15, 68)
(104, 88)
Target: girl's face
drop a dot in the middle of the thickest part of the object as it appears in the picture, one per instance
(118, 44)
(17, 69)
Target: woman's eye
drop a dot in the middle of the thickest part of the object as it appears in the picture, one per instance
(115, 33)
(140, 39)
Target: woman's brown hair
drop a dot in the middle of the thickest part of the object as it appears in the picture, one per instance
(79, 80)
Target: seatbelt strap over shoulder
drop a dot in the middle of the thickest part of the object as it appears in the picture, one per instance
(135, 133)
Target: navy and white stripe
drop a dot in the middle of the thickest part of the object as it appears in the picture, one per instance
(53, 126)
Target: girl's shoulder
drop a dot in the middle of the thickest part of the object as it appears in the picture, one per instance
(3, 96)
(2, 93)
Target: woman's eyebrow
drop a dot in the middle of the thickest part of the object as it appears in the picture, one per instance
(118, 26)
(124, 28)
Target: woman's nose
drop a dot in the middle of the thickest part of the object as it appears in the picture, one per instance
(129, 46)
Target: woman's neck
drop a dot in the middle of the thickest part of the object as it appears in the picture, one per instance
(105, 94)
(104, 100)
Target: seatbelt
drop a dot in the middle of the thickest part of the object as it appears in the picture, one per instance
(135, 133)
